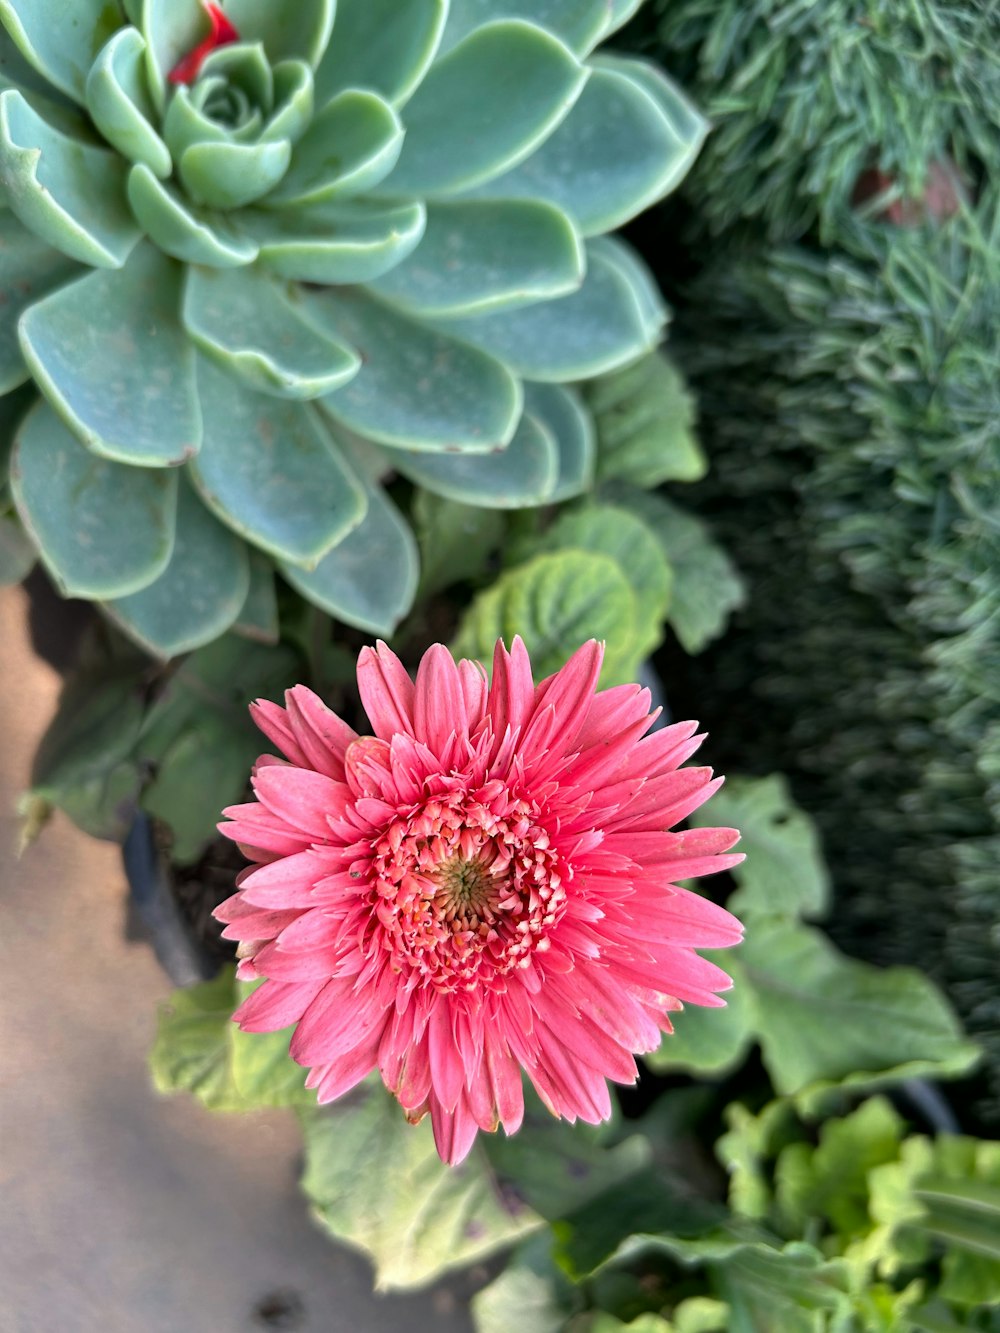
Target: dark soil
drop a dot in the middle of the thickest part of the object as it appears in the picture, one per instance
(198, 890)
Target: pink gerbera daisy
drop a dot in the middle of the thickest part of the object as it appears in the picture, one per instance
(487, 884)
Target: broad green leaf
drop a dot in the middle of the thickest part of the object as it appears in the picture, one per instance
(183, 231)
(523, 473)
(85, 763)
(644, 417)
(271, 471)
(198, 595)
(434, 1218)
(370, 578)
(109, 353)
(17, 553)
(258, 617)
(616, 532)
(70, 193)
(416, 388)
(748, 1149)
(707, 587)
(555, 602)
(789, 1289)
(119, 103)
(784, 873)
(456, 540)
(343, 241)
(484, 107)
(600, 1322)
(102, 529)
(352, 144)
(253, 327)
(578, 23)
(561, 411)
(232, 175)
(523, 1299)
(630, 138)
(301, 30)
(479, 255)
(614, 317)
(29, 269)
(61, 40)
(824, 1019)
(708, 1042)
(381, 45)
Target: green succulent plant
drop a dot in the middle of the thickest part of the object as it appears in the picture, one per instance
(298, 246)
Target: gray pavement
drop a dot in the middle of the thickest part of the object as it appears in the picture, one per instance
(125, 1212)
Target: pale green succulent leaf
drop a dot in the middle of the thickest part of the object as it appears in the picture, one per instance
(608, 322)
(417, 388)
(369, 580)
(109, 353)
(617, 14)
(16, 73)
(258, 617)
(554, 602)
(28, 270)
(484, 107)
(61, 40)
(171, 28)
(242, 66)
(381, 45)
(270, 470)
(335, 243)
(563, 413)
(179, 229)
(185, 124)
(17, 551)
(253, 325)
(200, 592)
(524, 473)
(578, 23)
(293, 102)
(619, 149)
(119, 102)
(301, 29)
(68, 192)
(352, 144)
(478, 256)
(232, 175)
(103, 529)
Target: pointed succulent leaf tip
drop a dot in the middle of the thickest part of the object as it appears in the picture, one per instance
(485, 885)
(221, 33)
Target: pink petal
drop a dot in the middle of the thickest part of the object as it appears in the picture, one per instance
(386, 692)
(301, 798)
(571, 693)
(275, 1005)
(454, 1131)
(447, 1073)
(254, 826)
(439, 699)
(322, 736)
(511, 698)
(611, 712)
(274, 722)
(338, 1076)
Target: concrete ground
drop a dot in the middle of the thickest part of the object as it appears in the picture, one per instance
(125, 1212)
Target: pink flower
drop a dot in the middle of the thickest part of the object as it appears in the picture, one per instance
(487, 884)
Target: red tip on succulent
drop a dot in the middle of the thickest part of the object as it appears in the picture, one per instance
(222, 34)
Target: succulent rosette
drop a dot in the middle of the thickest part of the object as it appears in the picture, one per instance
(298, 246)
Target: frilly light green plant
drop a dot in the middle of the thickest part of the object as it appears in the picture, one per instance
(298, 246)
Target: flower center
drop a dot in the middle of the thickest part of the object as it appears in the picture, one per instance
(464, 889)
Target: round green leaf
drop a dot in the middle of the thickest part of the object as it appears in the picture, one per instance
(182, 231)
(28, 270)
(416, 388)
(555, 602)
(254, 327)
(484, 107)
(293, 102)
(570, 423)
(200, 592)
(232, 175)
(578, 23)
(119, 103)
(352, 144)
(339, 242)
(66, 191)
(110, 354)
(370, 578)
(269, 469)
(478, 256)
(381, 45)
(524, 473)
(629, 139)
(301, 29)
(610, 321)
(60, 40)
(102, 529)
